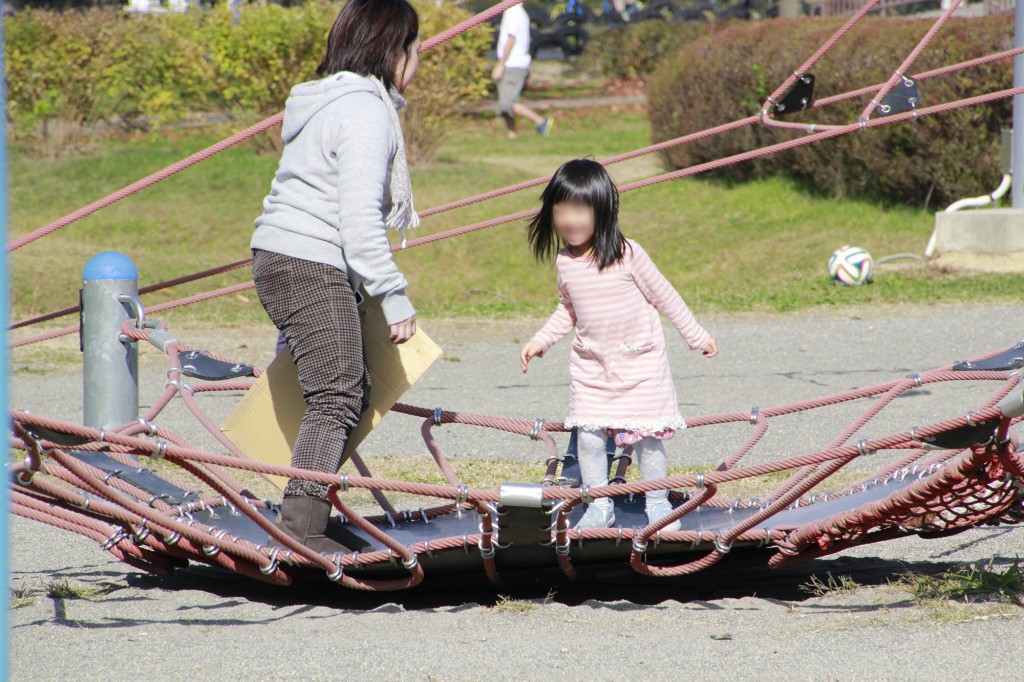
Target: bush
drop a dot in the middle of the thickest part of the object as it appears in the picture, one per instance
(633, 51)
(933, 160)
(74, 71)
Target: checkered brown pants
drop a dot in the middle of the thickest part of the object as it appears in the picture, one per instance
(315, 308)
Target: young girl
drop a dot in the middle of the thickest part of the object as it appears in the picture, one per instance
(610, 292)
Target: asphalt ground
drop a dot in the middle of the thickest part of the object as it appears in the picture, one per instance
(732, 622)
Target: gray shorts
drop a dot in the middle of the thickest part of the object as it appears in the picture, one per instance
(509, 88)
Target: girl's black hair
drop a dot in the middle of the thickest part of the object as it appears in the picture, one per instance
(587, 182)
(368, 37)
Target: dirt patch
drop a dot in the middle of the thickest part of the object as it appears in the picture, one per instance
(966, 261)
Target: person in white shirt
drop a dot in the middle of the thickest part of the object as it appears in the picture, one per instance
(512, 69)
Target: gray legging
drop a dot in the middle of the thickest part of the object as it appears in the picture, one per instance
(315, 308)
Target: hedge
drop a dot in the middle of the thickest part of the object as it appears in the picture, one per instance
(930, 161)
(93, 67)
(633, 51)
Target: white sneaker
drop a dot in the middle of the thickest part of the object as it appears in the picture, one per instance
(659, 510)
(598, 516)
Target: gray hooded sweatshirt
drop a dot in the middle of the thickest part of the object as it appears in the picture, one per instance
(328, 200)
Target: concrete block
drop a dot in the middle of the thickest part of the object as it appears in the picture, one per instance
(984, 230)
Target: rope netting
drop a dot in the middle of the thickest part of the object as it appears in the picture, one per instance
(937, 478)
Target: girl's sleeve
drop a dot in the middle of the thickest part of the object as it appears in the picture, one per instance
(663, 296)
(364, 147)
(560, 322)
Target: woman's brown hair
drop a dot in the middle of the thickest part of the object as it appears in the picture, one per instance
(368, 37)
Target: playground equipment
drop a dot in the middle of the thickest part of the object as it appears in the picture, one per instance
(934, 479)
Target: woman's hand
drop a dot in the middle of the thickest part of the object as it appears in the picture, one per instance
(403, 331)
(530, 351)
(497, 72)
(710, 348)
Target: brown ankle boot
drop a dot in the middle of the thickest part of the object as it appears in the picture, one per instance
(305, 519)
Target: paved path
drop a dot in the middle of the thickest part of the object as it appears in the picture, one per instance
(730, 624)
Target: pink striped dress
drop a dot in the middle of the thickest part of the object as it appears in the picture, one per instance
(618, 368)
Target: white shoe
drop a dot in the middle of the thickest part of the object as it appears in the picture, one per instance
(659, 510)
(598, 516)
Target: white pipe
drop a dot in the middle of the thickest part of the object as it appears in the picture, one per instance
(973, 202)
(977, 202)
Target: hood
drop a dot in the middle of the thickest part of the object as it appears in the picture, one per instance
(306, 99)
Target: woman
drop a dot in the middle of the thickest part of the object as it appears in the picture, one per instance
(342, 181)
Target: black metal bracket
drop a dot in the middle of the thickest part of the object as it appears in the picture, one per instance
(197, 364)
(1011, 358)
(799, 97)
(906, 95)
(965, 436)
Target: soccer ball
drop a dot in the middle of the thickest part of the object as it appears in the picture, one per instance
(850, 266)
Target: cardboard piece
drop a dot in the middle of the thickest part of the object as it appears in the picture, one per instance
(266, 421)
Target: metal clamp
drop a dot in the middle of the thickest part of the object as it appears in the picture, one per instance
(485, 553)
(863, 449)
(917, 379)
(438, 412)
(720, 546)
(343, 483)
(336, 575)
(700, 479)
(272, 564)
(970, 419)
(753, 415)
(639, 547)
(149, 426)
(538, 424)
(585, 495)
(115, 538)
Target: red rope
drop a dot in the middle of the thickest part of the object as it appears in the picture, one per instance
(241, 136)
(639, 184)
(900, 73)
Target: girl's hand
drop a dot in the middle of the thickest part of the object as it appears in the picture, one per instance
(530, 351)
(403, 331)
(710, 348)
(497, 72)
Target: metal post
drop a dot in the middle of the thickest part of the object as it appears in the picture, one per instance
(111, 375)
(1017, 156)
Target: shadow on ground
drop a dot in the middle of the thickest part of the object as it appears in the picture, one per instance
(733, 579)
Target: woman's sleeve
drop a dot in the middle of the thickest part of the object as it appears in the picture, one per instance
(663, 296)
(560, 322)
(364, 144)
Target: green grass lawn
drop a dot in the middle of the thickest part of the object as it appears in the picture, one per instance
(759, 246)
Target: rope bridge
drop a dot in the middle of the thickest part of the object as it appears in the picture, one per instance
(934, 479)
